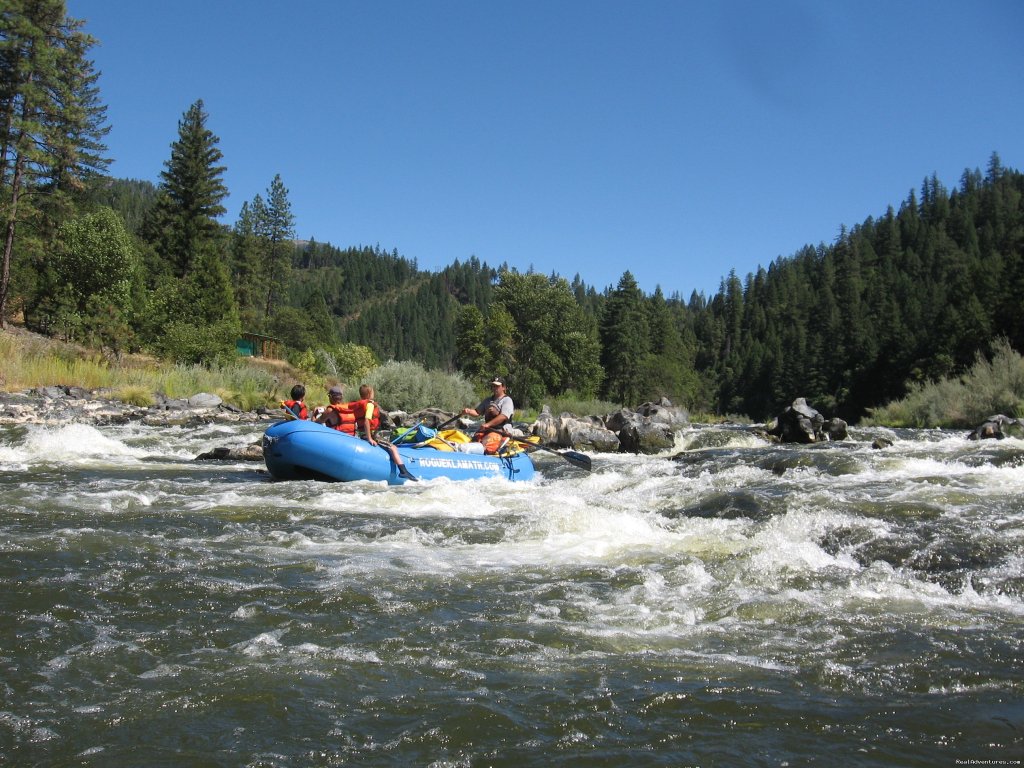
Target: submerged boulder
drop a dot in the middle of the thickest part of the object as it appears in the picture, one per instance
(253, 452)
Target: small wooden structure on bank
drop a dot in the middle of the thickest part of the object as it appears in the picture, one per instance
(257, 345)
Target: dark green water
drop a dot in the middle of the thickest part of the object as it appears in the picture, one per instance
(740, 605)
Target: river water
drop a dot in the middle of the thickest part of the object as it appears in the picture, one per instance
(732, 604)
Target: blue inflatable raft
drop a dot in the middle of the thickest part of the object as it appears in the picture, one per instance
(305, 450)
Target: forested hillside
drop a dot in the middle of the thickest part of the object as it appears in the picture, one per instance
(914, 294)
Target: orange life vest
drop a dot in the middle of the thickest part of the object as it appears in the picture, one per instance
(491, 440)
(301, 412)
(366, 409)
(346, 417)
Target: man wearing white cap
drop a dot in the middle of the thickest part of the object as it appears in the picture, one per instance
(497, 409)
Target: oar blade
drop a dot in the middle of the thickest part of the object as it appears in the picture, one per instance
(577, 459)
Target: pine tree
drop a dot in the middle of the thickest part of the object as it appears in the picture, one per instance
(194, 316)
(625, 342)
(472, 355)
(668, 369)
(51, 121)
(278, 230)
(246, 271)
(74, 130)
(322, 328)
(184, 220)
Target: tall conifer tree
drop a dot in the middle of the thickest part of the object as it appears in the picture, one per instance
(51, 120)
(196, 314)
(184, 219)
(625, 341)
(279, 230)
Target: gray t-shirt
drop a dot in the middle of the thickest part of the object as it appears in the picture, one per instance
(504, 405)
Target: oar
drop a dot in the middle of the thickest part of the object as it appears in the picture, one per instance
(454, 418)
(406, 432)
(576, 459)
(418, 423)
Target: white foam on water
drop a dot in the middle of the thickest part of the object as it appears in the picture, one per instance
(731, 478)
(665, 603)
(788, 544)
(598, 520)
(272, 645)
(894, 591)
(262, 644)
(70, 444)
(610, 521)
(427, 499)
(162, 670)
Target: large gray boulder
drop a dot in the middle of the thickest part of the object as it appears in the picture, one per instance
(800, 423)
(204, 400)
(664, 412)
(586, 434)
(836, 429)
(546, 426)
(568, 431)
(646, 438)
(649, 429)
(997, 427)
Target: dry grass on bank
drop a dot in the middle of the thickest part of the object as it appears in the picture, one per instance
(28, 360)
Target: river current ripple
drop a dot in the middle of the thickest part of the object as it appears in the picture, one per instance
(731, 603)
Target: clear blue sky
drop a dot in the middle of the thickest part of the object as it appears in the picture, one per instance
(673, 138)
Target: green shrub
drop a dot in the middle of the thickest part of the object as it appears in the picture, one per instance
(410, 387)
(990, 387)
(348, 362)
(184, 342)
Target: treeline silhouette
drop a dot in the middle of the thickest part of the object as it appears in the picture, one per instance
(912, 295)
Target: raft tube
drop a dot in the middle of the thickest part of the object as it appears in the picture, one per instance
(306, 450)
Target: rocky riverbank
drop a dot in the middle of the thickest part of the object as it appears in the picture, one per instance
(64, 405)
(651, 428)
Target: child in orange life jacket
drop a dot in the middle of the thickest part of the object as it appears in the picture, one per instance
(337, 414)
(368, 419)
(359, 416)
(296, 407)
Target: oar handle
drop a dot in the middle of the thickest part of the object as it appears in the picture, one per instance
(454, 418)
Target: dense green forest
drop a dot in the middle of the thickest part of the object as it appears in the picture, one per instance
(910, 296)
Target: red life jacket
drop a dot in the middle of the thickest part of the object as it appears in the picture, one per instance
(301, 412)
(346, 417)
(366, 408)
